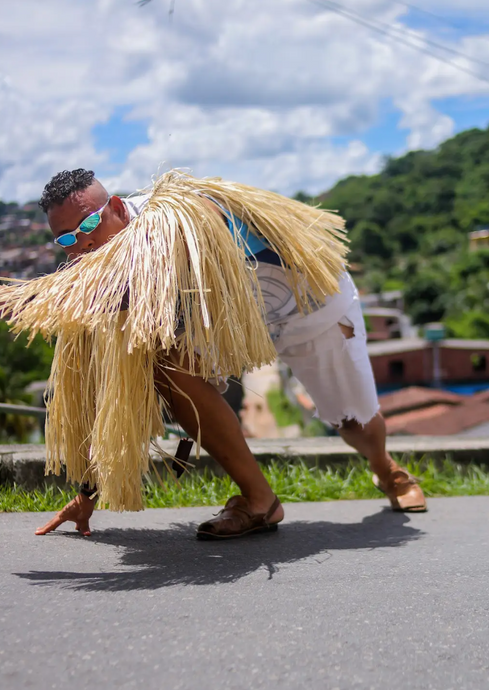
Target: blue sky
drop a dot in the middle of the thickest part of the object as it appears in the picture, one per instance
(446, 23)
(389, 137)
(119, 136)
(285, 94)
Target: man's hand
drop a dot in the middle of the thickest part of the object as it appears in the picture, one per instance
(79, 511)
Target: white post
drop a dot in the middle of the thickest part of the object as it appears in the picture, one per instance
(436, 365)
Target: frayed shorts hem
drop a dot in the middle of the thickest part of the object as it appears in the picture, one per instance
(363, 420)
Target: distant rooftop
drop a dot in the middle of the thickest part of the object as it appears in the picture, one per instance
(376, 297)
(430, 412)
(415, 397)
(392, 347)
(480, 233)
(382, 311)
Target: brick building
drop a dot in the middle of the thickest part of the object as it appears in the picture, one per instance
(410, 361)
(383, 324)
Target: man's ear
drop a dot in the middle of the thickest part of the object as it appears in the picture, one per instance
(119, 208)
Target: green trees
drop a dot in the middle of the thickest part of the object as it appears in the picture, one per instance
(19, 366)
(425, 296)
(409, 224)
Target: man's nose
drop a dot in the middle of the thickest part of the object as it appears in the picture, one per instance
(85, 242)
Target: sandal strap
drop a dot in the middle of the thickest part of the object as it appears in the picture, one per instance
(240, 508)
(401, 473)
(271, 510)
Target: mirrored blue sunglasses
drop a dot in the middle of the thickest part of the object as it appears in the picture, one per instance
(88, 225)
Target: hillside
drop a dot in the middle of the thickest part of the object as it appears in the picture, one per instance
(409, 226)
(26, 246)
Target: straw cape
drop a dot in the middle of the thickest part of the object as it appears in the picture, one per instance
(175, 279)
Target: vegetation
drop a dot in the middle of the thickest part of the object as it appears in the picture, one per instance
(408, 227)
(283, 410)
(19, 366)
(287, 414)
(292, 482)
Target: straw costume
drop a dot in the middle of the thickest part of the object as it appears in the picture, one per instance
(174, 278)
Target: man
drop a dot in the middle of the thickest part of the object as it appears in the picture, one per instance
(325, 349)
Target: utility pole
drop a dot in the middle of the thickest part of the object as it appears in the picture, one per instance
(434, 333)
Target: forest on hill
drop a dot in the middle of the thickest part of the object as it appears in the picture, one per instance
(408, 227)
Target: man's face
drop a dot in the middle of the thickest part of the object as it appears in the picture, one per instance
(68, 216)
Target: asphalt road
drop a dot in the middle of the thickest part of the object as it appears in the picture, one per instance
(346, 595)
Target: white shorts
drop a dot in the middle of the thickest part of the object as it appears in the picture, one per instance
(335, 371)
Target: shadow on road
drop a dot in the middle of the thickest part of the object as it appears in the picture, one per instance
(162, 558)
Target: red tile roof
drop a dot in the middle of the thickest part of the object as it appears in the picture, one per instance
(442, 419)
(414, 398)
(410, 422)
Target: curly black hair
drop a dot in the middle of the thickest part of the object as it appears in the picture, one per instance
(63, 184)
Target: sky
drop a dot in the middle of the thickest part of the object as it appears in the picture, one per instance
(287, 95)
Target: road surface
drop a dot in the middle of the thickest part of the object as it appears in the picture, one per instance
(346, 595)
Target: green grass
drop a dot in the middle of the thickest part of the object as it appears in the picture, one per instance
(291, 482)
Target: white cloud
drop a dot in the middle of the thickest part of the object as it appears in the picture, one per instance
(428, 128)
(250, 90)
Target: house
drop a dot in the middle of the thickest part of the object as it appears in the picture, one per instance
(429, 412)
(391, 299)
(411, 361)
(479, 239)
(385, 323)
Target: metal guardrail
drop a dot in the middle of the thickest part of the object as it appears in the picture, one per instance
(40, 412)
(25, 410)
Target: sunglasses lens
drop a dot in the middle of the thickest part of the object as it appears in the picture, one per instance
(90, 223)
(67, 240)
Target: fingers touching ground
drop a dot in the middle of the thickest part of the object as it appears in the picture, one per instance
(79, 511)
(51, 525)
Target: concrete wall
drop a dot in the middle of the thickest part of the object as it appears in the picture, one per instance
(24, 464)
(417, 368)
(458, 364)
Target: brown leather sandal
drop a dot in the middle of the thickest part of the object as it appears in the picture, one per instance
(403, 491)
(236, 520)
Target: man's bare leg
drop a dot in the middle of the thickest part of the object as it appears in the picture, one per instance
(221, 437)
(221, 434)
(399, 486)
(370, 441)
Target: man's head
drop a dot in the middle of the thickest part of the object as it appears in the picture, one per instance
(70, 197)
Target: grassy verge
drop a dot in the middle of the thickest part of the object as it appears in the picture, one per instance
(291, 482)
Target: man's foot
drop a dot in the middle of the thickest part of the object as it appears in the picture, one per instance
(403, 491)
(236, 519)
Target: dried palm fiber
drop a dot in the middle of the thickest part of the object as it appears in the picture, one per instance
(176, 264)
